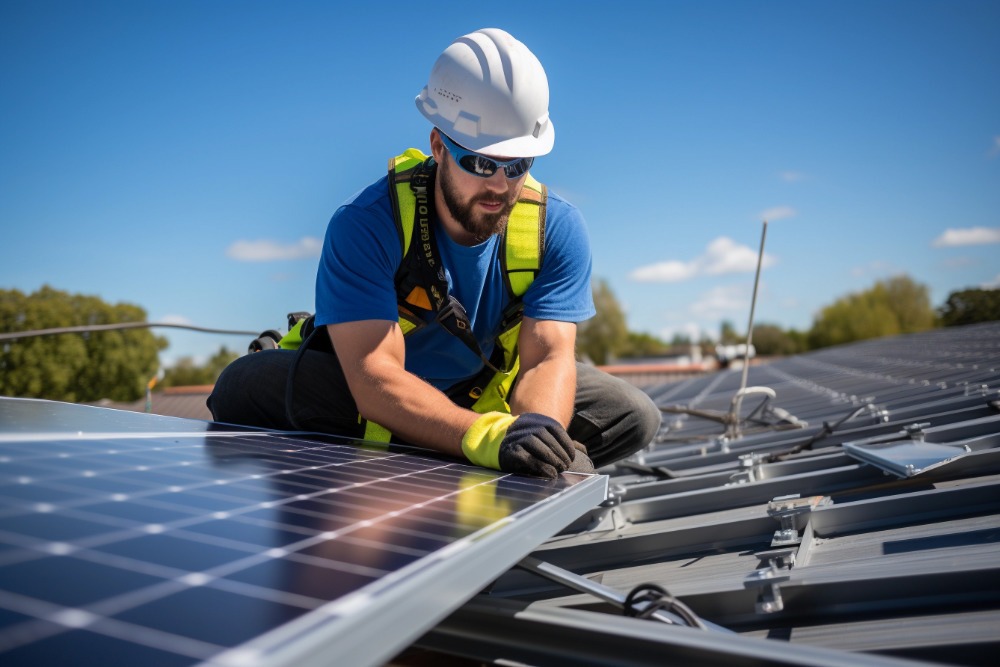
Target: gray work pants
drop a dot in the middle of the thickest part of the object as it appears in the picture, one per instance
(611, 418)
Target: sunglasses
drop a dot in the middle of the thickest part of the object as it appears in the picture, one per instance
(482, 166)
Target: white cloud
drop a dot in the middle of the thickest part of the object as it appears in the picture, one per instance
(664, 272)
(967, 236)
(723, 255)
(777, 213)
(995, 150)
(176, 319)
(792, 176)
(307, 247)
(993, 284)
(726, 256)
(723, 300)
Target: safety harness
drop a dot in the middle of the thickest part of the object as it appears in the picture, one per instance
(422, 291)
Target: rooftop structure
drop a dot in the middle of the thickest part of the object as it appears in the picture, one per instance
(841, 509)
(857, 513)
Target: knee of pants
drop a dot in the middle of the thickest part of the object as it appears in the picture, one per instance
(640, 419)
(249, 390)
(219, 400)
(648, 418)
(616, 420)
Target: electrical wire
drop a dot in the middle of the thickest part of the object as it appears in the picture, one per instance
(646, 599)
(90, 328)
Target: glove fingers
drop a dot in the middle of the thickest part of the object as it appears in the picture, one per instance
(547, 450)
(520, 460)
(582, 463)
(536, 444)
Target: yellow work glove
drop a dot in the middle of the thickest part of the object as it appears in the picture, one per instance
(530, 444)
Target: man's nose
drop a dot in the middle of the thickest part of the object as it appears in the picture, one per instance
(497, 182)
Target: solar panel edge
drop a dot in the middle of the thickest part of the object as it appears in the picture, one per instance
(426, 590)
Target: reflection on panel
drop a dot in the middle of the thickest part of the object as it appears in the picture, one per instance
(174, 546)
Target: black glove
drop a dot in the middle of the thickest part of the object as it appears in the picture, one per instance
(536, 445)
(581, 461)
(530, 444)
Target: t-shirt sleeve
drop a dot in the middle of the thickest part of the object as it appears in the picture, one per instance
(561, 291)
(355, 279)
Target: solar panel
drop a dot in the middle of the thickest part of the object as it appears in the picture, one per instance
(130, 539)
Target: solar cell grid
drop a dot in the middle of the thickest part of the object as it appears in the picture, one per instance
(185, 543)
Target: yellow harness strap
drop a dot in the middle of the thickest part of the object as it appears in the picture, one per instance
(525, 237)
(522, 258)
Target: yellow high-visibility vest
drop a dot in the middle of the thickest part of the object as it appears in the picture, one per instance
(523, 247)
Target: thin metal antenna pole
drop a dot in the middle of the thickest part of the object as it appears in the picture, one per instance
(734, 415)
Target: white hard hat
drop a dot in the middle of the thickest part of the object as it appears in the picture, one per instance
(489, 93)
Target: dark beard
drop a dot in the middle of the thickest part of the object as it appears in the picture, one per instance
(479, 224)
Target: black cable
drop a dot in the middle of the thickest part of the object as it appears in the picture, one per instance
(89, 328)
(827, 430)
(654, 598)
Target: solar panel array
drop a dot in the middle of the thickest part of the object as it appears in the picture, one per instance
(856, 521)
(130, 539)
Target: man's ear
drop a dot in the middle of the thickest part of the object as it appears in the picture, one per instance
(437, 146)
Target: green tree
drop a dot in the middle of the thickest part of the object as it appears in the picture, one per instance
(772, 340)
(604, 336)
(74, 367)
(970, 306)
(679, 339)
(186, 373)
(644, 345)
(706, 344)
(799, 339)
(894, 306)
(728, 334)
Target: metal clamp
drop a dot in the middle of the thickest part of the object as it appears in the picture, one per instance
(916, 430)
(789, 511)
(750, 467)
(778, 558)
(767, 580)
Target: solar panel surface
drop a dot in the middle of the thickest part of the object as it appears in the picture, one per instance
(130, 539)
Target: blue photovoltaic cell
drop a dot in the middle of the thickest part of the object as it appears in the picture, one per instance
(135, 539)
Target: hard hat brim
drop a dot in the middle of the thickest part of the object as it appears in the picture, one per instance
(524, 146)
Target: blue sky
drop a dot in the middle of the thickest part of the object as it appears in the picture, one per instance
(186, 156)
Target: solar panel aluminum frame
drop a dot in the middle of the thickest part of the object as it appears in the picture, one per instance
(415, 598)
(919, 450)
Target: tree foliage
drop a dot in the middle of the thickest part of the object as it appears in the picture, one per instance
(644, 345)
(970, 306)
(603, 337)
(728, 334)
(186, 373)
(74, 367)
(890, 307)
(770, 340)
(894, 306)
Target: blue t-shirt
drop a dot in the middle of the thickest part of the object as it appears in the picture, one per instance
(362, 251)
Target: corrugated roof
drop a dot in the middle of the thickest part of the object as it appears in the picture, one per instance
(858, 515)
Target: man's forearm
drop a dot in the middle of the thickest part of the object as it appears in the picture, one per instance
(414, 410)
(548, 388)
(371, 354)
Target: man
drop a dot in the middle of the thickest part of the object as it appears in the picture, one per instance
(449, 292)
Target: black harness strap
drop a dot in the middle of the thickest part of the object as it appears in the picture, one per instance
(422, 269)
